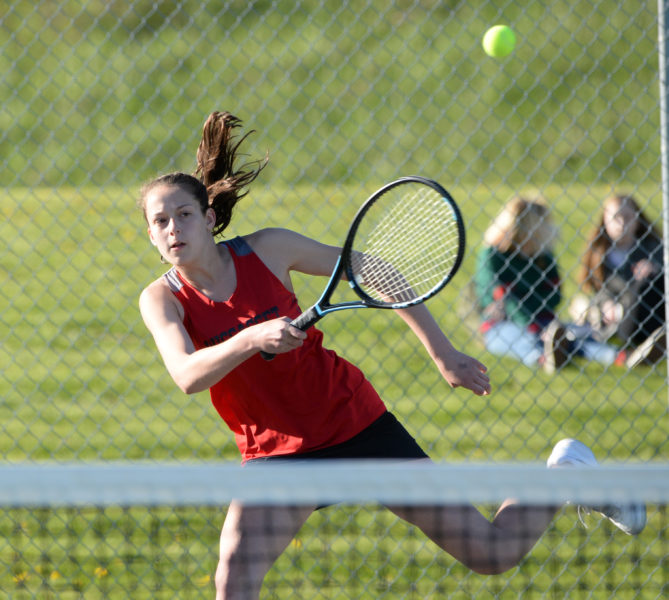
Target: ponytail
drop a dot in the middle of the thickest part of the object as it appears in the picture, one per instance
(216, 156)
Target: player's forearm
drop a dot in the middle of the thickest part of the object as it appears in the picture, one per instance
(204, 368)
(426, 329)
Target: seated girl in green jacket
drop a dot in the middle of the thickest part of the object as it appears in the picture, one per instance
(518, 288)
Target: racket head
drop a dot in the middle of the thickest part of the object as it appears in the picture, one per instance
(405, 244)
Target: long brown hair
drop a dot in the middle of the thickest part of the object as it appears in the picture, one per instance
(217, 183)
(598, 242)
(523, 225)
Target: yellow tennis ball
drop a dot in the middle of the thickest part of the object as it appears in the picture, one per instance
(499, 41)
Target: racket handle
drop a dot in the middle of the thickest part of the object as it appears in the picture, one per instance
(307, 318)
(303, 322)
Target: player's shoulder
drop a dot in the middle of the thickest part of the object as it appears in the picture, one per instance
(157, 302)
(283, 250)
(269, 234)
(157, 291)
(272, 239)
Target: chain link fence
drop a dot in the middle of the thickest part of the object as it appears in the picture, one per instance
(100, 97)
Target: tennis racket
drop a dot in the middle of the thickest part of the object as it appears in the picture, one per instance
(405, 244)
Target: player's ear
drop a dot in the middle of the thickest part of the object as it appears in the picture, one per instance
(148, 230)
(210, 218)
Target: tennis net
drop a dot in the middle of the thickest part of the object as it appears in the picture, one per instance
(151, 530)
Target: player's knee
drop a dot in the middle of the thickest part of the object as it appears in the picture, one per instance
(493, 565)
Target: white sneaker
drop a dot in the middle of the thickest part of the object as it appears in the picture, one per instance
(630, 518)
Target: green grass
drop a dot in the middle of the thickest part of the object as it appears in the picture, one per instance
(82, 380)
(98, 100)
(91, 94)
(342, 552)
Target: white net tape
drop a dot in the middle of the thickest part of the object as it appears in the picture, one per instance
(151, 530)
(388, 482)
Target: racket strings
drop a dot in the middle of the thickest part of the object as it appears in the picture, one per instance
(406, 244)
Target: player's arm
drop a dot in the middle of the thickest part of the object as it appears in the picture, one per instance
(197, 370)
(283, 251)
(458, 369)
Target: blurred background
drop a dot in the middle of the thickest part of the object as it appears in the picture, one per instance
(98, 97)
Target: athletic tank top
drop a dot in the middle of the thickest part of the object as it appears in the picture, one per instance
(303, 400)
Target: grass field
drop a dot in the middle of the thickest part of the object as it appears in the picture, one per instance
(408, 78)
(342, 552)
(99, 98)
(82, 378)
(82, 381)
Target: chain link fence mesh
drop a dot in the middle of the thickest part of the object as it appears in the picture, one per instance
(100, 97)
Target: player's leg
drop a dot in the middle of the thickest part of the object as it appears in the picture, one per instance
(463, 532)
(628, 517)
(488, 547)
(494, 547)
(252, 538)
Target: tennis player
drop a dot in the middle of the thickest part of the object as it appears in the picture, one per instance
(222, 303)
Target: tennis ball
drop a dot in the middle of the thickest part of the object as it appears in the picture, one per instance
(499, 41)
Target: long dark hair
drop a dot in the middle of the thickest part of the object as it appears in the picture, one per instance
(217, 183)
(598, 243)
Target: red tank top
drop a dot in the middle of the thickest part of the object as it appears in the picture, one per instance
(303, 400)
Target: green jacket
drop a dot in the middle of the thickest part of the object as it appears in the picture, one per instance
(527, 287)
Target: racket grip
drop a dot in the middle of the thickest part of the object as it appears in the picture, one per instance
(303, 322)
(307, 318)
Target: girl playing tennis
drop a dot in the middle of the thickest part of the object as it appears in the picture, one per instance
(222, 303)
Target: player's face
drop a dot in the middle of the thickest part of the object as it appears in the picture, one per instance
(177, 226)
(619, 220)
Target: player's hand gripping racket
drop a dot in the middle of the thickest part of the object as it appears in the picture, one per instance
(405, 244)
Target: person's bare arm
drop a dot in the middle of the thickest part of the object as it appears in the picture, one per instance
(308, 256)
(197, 370)
(283, 251)
(458, 369)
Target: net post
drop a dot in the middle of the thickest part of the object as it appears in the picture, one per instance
(663, 63)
